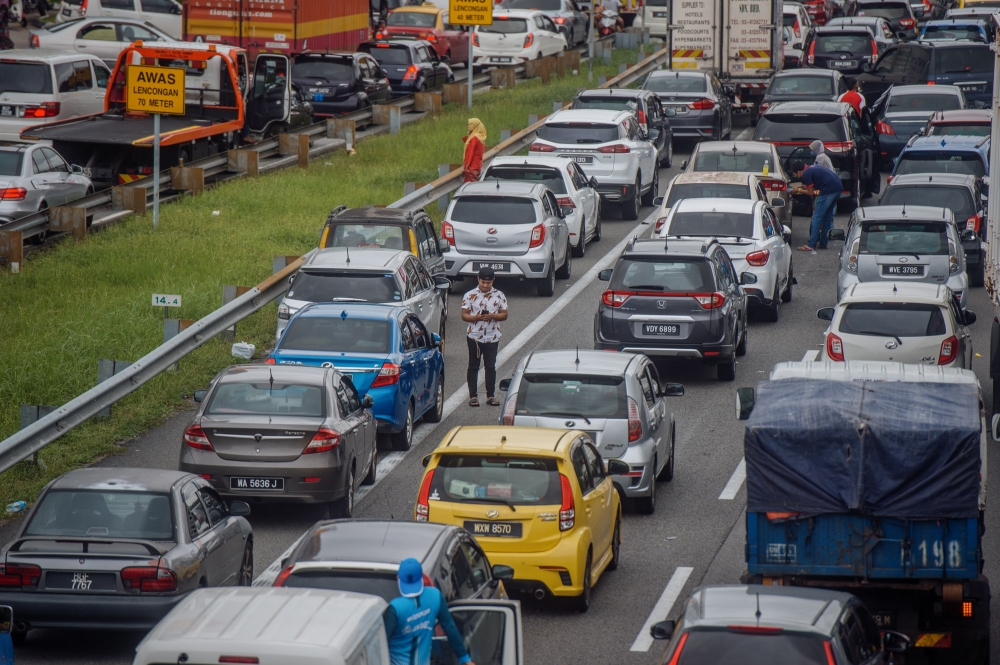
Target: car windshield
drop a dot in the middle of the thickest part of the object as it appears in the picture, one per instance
(923, 103)
(347, 335)
(893, 319)
(578, 132)
(957, 199)
(729, 160)
(607, 102)
(904, 237)
(513, 480)
(959, 130)
(964, 163)
(951, 33)
(707, 190)
(10, 162)
(493, 210)
(327, 286)
(847, 43)
(326, 70)
(387, 54)
(266, 399)
(676, 84)
(404, 19)
(789, 20)
(88, 513)
(551, 178)
(660, 275)
(963, 59)
(378, 583)
(541, 5)
(801, 85)
(505, 26)
(592, 396)
(887, 10)
(367, 235)
(800, 127)
(728, 224)
(25, 77)
(722, 647)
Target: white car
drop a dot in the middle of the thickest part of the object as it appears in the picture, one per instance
(753, 238)
(908, 322)
(654, 15)
(579, 200)
(163, 14)
(713, 185)
(796, 19)
(42, 86)
(516, 36)
(105, 38)
(609, 146)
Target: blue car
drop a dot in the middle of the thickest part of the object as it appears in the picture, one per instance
(954, 29)
(964, 155)
(384, 349)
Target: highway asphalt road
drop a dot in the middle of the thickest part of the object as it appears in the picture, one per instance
(696, 535)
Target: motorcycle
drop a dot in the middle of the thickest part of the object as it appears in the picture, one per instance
(608, 23)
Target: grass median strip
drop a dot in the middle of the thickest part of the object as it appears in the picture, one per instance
(75, 303)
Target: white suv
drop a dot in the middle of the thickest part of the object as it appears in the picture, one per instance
(609, 146)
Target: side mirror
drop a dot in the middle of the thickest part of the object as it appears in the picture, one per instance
(199, 395)
(504, 385)
(653, 134)
(6, 619)
(979, 104)
(384, 72)
(894, 642)
(684, 165)
(748, 278)
(825, 314)
(777, 203)
(565, 210)
(669, 112)
(867, 67)
(239, 508)
(445, 59)
(367, 401)
(985, 183)
(593, 183)
(444, 246)
(745, 398)
(663, 630)
(76, 169)
(442, 282)
(786, 234)
(425, 461)
(616, 467)
(658, 201)
(502, 572)
(837, 234)
(436, 338)
(605, 275)
(673, 390)
(969, 235)
(970, 317)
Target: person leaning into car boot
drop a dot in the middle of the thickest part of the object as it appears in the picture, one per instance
(825, 185)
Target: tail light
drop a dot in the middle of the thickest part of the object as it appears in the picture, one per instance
(541, 147)
(701, 104)
(448, 233)
(617, 148)
(949, 350)
(529, 39)
(763, 107)
(13, 193)
(508, 410)
(423, 509)
(148, 578)
(615, 298)
(559, 20)
(567, 510)
(839, 147)
(952, 258)
(710, 300)
(283, 312)
(194, 436)
(874, 52)
(475, 39)
(680, 647)
(642, 118)
(83, 8)
(834, 348)
(828, 648)
(19, 575)
(774, 185)
(759, 258)
(33, 41)
(811, 56)
(885, 128)
(907, 22)
(242, 660)
(430, 37)
(972, 223)
(658, 226)
(323, 441)
(852, 257)
(566, 202)
(796, 28)
(387, 376)
(270, 361)
(43, 110)
(634, 426)
(283, 575)
(411, 73)
(382, 35)
(537, 236)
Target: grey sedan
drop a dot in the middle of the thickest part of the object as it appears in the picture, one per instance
(35, 177)
(112, 548)
(701, 103)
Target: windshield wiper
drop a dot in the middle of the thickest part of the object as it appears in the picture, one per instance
(482, 499)
(565, 414)
(881, 334)
(348, 300)
(651, 287)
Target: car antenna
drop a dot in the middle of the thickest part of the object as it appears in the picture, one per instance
(270, 373)
(757, 613)
(666, 243)
(577, 354)
(497, 178)
(893, 287)
(348, 253)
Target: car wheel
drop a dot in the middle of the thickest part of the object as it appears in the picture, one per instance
(726, 369)
(581, 245)
(772, 312)
(616, 545)
(401, 440)
(246, 566)
(630, 208)
(597, 227)
(582, 602)
(787, 295)
(547, 285)
(43, 235)
(369, 478)
(345, 507)
(566, 270)
(667, 472)
(647, 199)
(646, 505)
(436, 411)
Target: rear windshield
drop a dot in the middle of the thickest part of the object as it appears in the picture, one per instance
(707, 190)
(904, 238)
(801, 85)
(412, 19)
(493, 210)
(923, 103)
(887, 319)
(25, 77)
(103, 515)
(941, 162)
(729, 647)
(329, 286)
(388, 55)
(850, 44)
(336, 335)
(542, 5)
(578, 132)
(678, 84)
(366, 235)
(266, 399)
(10, 163)
(957, 199)
(497, 479)
(323, 69)
(962, 59)
(800, 127)
(384, 584)
(505, 26)
(951, 33)
(728, 224)
(959, 130)
(572, 395)
(608, 103)
(667, 276)
(887, 10)
(551, 178)
(742, 162)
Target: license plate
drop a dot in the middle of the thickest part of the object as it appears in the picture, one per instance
(580, 159)
(844, 63)
(269, 484)
(80, 581)
(911, 271)
(320, 90)
(67, 12)
(884, 620)
(494, 529)
(970, 88)
(661, 329)
(499, 59)
(659, 14)
(6, 110)
(498, 267)
(679, 109)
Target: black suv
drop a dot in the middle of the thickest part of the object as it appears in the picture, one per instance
(843, 48)
(679, 298)
(803, 85)
(336, 83)
(968, 65)
(898, 13)
(648, 110)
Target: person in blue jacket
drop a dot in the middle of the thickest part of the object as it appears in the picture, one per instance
(410, 620)
(6, 644)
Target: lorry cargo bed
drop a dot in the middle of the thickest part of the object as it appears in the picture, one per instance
(113, 129)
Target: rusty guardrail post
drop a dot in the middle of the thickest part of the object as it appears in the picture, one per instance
(67, 219)
(295, 144)
(341, 128)
(503, 77)
(129, 198)
(427, 102)
(189, 179)
(456, 92)
(387, 114)
(12, 249)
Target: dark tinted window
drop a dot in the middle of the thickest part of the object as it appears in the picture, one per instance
(494, 210)
(887, 10)
(323, 69)
(678, 84)
(961, 59)
(505, 26)
(800, 127)
(904, 238)
(730, 647)
(118, 4)
(663, 275)
(518, 480)
(923, 103)
(801, 85)
(377, 583)
(266, 399)
(941, 162)
(592, 396)
(335, 334)
(726, 224)
(578, 132)
(951, 33)
(389, 55)
(707, 190)
(959, 130)
(551, 178)
(328, 286)
(957, 199)
(412, 19)
(848, 43)
(74, 76)
(160, 7)
(217, 510)
(745, 162)
(367, 235)
(789, 20)
(10, 162)
(103, 515)
(886, 319)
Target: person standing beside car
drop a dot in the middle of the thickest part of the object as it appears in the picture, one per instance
(483, 308)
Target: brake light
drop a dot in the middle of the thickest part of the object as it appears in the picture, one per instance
(411, 73)
(972, 223)
(83, 8)
(33, 41)
(567, 510)
(701, 104)
(830, 660)
(430, 38)
(907, 22)
(758, 630)
(541, 147)
(13, 193)
(759, 258)
(322, 441)
(528, 40)
(834, 348)
(845, 146)
(19, 575)
(195, 437)
(475, 39)
(680, 647)
(617, 148)
(508, 410)
(763, 107)
(559, 20)
(852, 257)
(566, 202)
(709, 300)
(885, 128)
(387, 376)
(537, 236)
(774, 185)
(283, 575)
(634, 426)
(448, 233)
(43, 110)
(615, 298)
(874, 51)
(148, 578)
(949, 350)
(658, 226)
(423, 509)
(811, 56)
(796, 28)
(642, 117)
(270, 361)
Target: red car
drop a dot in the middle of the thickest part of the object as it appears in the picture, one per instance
(820, 11)
(967, 122)
(429, 23)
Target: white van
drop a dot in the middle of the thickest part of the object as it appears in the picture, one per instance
(299, 626)
(163, 14)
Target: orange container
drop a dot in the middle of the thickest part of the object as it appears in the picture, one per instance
(279, 26)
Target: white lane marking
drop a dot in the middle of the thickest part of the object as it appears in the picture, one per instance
(662, 608)
(459, 397)
(810, 355)
(732, 488)
(745, 134)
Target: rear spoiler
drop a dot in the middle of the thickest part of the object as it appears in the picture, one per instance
(150, 547)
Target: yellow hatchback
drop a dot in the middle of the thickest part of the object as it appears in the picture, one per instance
(538, 500)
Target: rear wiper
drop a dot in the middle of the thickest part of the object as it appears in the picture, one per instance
(565, 413)
(881, 334)
(916, 256)
(651, 287)
(482, 499)
(589, 141)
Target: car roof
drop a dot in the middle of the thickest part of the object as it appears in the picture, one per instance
(978, 22)
(532, 160)
(516, 13)
(588, 115)
(695, 248)
(369, 541)
(502, 188)
(816, 73)
(394, 43)
(950, 142)
(894, 212)
(722, 177)
(860, 20)
(934, 179)
(903, 290)
(492, 438)
(882, 2)
(118, 479)
(373, 214)
(922, 89)
(370, 311)
(841, 28)
(48, 55)
(793, 608)
(299, 374)
(11, 146)
(787, 108)
(357, 258)
(727, 146)
(616, 92)
(957, 43)
(716, 205)
(591, 362)
(663, 73)
(980, 116)
(323, 55)
(872, 370)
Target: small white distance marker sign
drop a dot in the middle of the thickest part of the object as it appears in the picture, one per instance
(163, 300)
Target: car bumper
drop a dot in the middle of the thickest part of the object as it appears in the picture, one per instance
(694, 125)
(329, 472)
(892, 145)
(480, 59)
(707, 352)
(321, 109)
(532, 265)
(616, 192)
(62, 610)
(534, 570)
(640, 460)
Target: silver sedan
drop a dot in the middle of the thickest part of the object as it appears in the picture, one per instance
(103, 37)
(35, 177)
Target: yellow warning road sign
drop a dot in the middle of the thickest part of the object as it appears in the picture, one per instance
(470, 12)
(155, 89)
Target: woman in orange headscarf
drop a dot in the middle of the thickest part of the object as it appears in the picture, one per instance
(475, 144)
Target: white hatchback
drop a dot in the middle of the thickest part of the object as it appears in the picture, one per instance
(515, 36)
(715, 185)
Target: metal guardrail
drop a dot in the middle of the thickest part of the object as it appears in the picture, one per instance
(44, 431)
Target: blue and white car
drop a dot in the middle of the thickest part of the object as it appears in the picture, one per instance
(964, 155)
(386, 352)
